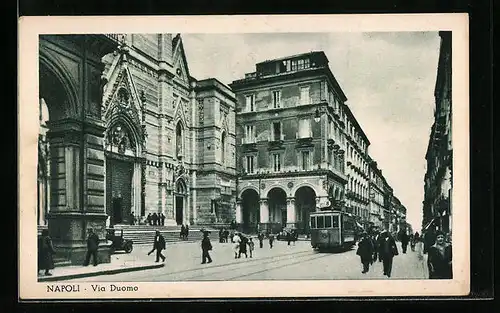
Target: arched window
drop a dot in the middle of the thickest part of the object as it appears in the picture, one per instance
(178, 140)
(223, 148)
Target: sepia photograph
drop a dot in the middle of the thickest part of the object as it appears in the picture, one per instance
(260, 159)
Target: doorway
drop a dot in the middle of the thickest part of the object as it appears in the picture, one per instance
(117, 210)
(179, 210)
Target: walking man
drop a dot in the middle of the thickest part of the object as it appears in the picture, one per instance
(404, 241)
(158, 245)
(206, 246)
(271, 240)
(92, 247)
(261, 239)
(388, 251)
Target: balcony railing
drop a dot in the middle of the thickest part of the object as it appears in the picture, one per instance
(115, 37)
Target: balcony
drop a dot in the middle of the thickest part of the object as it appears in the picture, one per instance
(304, 142)
(275, 144)
(249, 146)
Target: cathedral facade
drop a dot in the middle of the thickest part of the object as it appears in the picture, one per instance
(169, 139)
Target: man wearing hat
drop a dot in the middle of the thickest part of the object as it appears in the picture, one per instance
(158, 245)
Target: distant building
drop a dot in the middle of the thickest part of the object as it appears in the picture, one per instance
(377, 196)
(357, 170)
(437, 208)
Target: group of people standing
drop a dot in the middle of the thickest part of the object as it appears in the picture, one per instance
(155, 219)
(241, 242)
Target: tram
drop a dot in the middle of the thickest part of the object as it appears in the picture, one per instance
(332, 229)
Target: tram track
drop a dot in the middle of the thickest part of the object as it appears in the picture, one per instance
(282, 261)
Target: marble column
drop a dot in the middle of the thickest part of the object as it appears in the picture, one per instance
(264, 215)
(239, 212)
(291, 214)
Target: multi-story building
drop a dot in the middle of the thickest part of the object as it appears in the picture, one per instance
(357, 170)
(388, 205)
(437, 209)
(377, 195)
(291, 118)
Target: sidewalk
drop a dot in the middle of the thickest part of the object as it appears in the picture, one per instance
(120, 263)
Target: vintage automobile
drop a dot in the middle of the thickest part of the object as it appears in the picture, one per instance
(118, 243)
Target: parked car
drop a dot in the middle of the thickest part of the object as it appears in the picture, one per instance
(118, 243)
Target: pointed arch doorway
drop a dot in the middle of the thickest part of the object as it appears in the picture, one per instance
(123, 174)
(180, 198)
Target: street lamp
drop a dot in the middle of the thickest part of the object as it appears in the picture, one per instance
(317, 116)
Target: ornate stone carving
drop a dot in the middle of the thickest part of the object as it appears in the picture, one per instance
(118, 136)
(290, 185)
(201, 113)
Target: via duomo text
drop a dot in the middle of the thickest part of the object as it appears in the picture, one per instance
(94, 288)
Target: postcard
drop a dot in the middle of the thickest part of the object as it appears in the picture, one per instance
(240, 156)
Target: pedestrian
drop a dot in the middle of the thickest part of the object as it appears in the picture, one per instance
(236, 246)
(186, 231)
(226, 235)
(271, 240)
(162, 217)
(149, 219)
(388, 251)
(131, 218)
(243, 246)
(429, 238)
(414, 239)
(379, 241)
(183, 231)
(46, 252)
(158, 245)
(439, 260)
(221, 235)
(365, 251)
(261, 239)
(206, 246)
(92, 247)
(404, 241)
(251, 246)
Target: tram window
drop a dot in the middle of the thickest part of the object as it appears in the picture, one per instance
(321, 221)
(313, 222)
(328, 221)
(335, 221)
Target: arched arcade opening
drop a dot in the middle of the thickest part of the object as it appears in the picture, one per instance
(277, 209)
(250, 210)
(305, 203)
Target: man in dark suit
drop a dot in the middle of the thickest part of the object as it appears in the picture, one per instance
(158, 245)
(92, 247)
(206, 246)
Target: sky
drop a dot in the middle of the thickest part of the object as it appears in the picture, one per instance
(388, 79)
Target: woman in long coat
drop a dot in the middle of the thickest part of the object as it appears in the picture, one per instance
(45, 253)
(439, 259)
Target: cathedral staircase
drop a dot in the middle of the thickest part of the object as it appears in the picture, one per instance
(144, 234)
